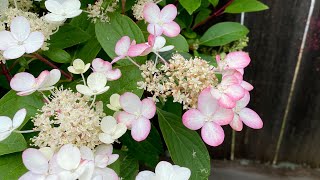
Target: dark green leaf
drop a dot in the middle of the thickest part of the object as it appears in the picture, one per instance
(179, 42)
(81, 21)
(109, 33)
(58, 55)
(202, 15)
(214, 2)
(129, 167)
(68, 36)
(148, 150)
(239, 6)
(89, 50)
(185, 146)
(223, 33)
(190, 5)
(11, 166)
(14, 143)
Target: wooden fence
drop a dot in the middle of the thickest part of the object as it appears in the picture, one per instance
(285, 71)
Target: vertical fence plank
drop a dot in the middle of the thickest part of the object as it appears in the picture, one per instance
(275, 40)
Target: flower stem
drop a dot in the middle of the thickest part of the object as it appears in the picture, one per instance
(161, 58)
(84, 80)
(215, 14)
(6, 72)
(38, 56)
(25, 131)
(133, 62)
(93, 100)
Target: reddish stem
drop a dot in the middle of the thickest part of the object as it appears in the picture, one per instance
(215, 14)
(38, 56)
(5, 72)
(123, 6)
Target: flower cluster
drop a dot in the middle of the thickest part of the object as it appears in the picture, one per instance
(183, 79)
(68, 119)
(69, 162)
(224, 103)
(99, 12)
(24, 5)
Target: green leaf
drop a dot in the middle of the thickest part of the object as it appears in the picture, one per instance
(148, 150)
(14, 143)
(223, 33)
(58, 55)
(109, 33)
(202, 15)
(185, 146)
(179, 42)
(239, 6)
(190, 5)
(81, 21)
(10, 103)
(11, 166)
(214, 2)
(129, 167)
(89, 50)
(127, 83)
(68, 36)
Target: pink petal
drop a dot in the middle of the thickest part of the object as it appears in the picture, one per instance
(35, 161)
(20, 28)
(130, 103)
(171, 29)
(14, 52)
(193, 119)
(226, 102)
(151, 39)
(140, 129)
(207, 104)
(113, 74)
(42, 78)
(137, 50)
(250, 118)
(212, 134)
(247, 86)
(22, 81)
(125, 118)
(218, 59)
(236, 124)
(229, 80)
(215, 93)
(155, 29)
(243, 102)
(168, 13)
(148, 108)
(235, 92)
(117, 59)
(237, 60)
(223, 116)
(99, 65)
(151, 13)
(123, 46)
(234, 73)
(241, 71)
(34, 42)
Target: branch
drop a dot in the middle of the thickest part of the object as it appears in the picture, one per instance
(5, 72)
(215, 14)
(38, 56)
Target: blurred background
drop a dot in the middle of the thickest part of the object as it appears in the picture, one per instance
(284, 48)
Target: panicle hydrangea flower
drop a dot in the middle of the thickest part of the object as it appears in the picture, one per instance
(111, 130)
(24, 5)
(59, 10)
(98, 12)
(165, 171)
(68, 118)
(105, 67)
(36, 23)
(8, 126)
(183, 79)
(137, 8)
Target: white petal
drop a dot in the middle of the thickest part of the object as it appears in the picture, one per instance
(5, 124)
(88, 172)
(104, 149)
(145, 175)
(69, 157)
(84, 90)
(164, 170)
(108, 124)
(22, 81)
(20, 28)
(5, 134)
(86, 153)
(115, 101)
(35, 161)
(33, 42)
(120, 130)
(74, 14)
(71, 5)
(29, 175)
(14, 52)
(54, 7)
(47, 152)
(130, 103)
(105, 174)
(106, 138)
(54, 77)
(181, 173)
(19, 118)
(159, 42)
(6, 40)
(96, 81)
(166, 48)
(54, 18)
